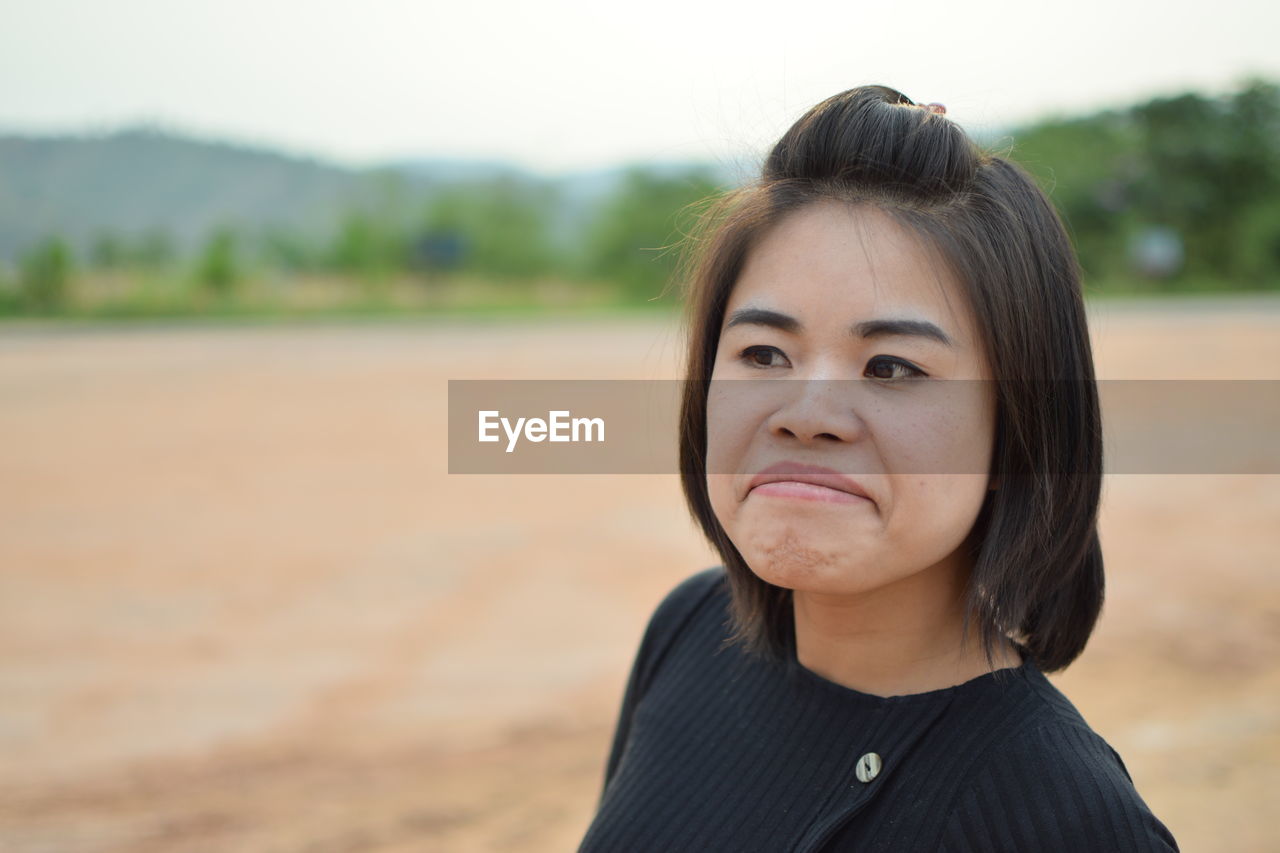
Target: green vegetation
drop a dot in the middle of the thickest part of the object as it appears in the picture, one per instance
(498, 229)
(218, 269)
(45, 277)
(635, 238)
(1177, 194)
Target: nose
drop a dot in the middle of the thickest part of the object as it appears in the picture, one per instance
(816, 410)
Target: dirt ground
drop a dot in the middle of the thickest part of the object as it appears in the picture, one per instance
(244, 607)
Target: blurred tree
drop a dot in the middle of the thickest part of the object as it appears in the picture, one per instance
(366, 247)
(1203, 170)
(1255, 249)
(286, 249)
(1185, 179)
(633, 240)
(371, 243)
(500, 228)
(10, 295)
(1087, 166)
(1211, 165)
(217, 269)
(1255, 165)
(108, 252)
(1254, 114)
(45, 277)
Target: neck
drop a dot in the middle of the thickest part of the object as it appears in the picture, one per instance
(895, 640)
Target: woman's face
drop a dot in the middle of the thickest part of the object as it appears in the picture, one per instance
(836, 271)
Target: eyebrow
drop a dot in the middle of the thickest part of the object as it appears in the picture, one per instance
(879, 328)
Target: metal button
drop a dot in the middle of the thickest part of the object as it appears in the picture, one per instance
(868, 767)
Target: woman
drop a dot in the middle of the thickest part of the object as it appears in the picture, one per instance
(903, 557)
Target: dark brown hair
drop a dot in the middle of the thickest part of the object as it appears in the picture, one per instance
(1037, 572)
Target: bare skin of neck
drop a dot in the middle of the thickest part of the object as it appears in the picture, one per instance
(896, 640)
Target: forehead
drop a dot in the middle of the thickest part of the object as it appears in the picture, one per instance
(831, 261)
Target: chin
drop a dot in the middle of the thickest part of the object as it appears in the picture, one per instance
(789, 560)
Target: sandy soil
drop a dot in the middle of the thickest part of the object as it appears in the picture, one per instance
(244, 607)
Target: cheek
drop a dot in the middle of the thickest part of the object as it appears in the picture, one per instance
(948, 430)
(720, 490)
(735, 409)
(933, 513)
(728, 439)
(937, 461)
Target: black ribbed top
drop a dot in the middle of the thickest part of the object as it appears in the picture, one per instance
(723, 751)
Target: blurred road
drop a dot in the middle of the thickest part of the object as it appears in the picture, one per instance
(244, 607)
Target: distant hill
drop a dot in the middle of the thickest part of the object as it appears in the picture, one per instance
(139, 179)
(133, 181)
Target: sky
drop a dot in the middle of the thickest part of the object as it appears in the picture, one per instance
(557, 86)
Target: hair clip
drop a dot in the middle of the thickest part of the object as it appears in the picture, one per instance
(933, 107)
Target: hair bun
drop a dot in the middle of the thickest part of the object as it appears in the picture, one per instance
(860, 140)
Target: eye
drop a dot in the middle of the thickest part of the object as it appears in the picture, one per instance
(880, 365)
(750, 356)
(886, 370)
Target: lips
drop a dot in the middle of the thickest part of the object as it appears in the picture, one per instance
(798, 472)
